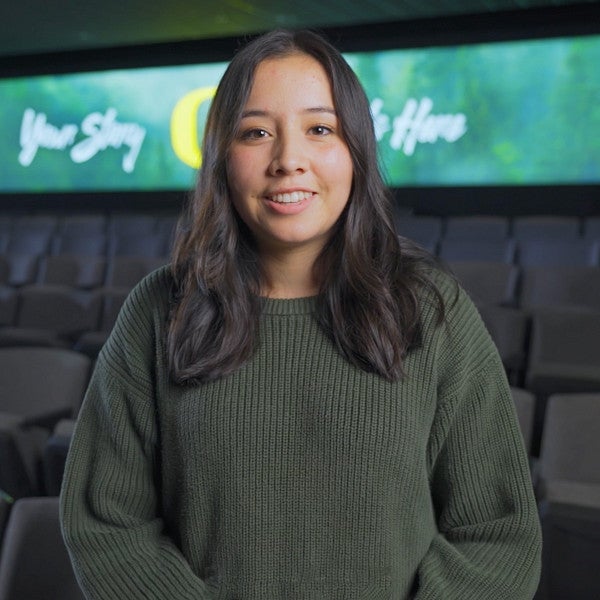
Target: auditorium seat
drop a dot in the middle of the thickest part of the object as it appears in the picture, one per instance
(477, 227)
(73, 271)
(83, 224)
(550, 227)
(80, 243)
(569, 492)
(564, 351)
(34, 243)
(23, 269)
(52, 315)
(562, 357)
(487, 282)
(45, 224)
(556, 252)
(21, 449)
(4, 239)
(8, 295)
(90, 342)
(35, 563)
(42, 385)
(137, 245)
(560, 286)
(571, 551)
(39, 387)
(509, 329)
(500, 251)
(570, 449)
(6, 503)
(6, 223)
(55, 454)
(424, 230)
(127, 271)
(591, 228)
(131, 224)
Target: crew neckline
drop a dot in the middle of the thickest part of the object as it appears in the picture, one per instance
(289, 306)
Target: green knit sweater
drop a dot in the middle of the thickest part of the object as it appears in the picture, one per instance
(300, 477)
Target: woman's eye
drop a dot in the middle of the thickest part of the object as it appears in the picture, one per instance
(321, 130)
(254, 134)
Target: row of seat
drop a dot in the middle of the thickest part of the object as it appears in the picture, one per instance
(497, 227)
(488, 281)
(75, 304)
(74, 224)
(526, 241)
(450, 227)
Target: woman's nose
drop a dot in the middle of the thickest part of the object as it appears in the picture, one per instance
(290, 155)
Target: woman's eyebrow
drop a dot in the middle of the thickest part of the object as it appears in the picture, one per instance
(309, 110)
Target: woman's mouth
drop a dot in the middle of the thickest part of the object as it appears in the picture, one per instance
(290, 198)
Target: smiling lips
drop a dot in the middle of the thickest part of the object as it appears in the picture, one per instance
(290, 198)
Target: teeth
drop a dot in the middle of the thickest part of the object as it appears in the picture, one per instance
(290, 198)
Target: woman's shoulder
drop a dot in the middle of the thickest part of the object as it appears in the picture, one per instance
(143, 314)
(152, 292)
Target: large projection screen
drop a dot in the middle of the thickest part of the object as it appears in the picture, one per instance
(500, 113)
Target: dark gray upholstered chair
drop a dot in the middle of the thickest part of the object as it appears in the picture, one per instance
(424, 230)
(571, 552)
(39, 223)
(125, 272)
(52, 315)
(477, 227)
(55, 453)
(556, 252)
(90, 342)
(29, 242)
(569, 489)
(80, 243)
(546, 227)
(73, 270)
(487, 282)
(35, 564)
(570, 448)
(509, 329)
(591, 228)
(84, 224)
(131, 224)
(560, 286)
(563, 357)
(22, 269)
(38, 387)
(138, 245)
(564, 351)
(501, 251)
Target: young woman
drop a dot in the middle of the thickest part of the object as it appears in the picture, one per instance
(301, 407)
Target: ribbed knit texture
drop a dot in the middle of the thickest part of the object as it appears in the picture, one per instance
(300, 477)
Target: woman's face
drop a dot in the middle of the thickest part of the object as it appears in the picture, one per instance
(289, 169)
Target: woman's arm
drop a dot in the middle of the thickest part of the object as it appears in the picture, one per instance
(109, 501)
(489, 541)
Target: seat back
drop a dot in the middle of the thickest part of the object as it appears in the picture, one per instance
(570, 442)
(42, 384)
(560, 286)
(35, 563)
(487, 282)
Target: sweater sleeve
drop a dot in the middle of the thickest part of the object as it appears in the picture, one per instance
(110, 498)
(488, 544)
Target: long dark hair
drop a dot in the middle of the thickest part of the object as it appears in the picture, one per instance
(370, 285)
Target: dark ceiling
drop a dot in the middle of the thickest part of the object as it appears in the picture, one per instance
(30, 27)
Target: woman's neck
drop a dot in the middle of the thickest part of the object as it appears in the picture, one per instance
(289, 275)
